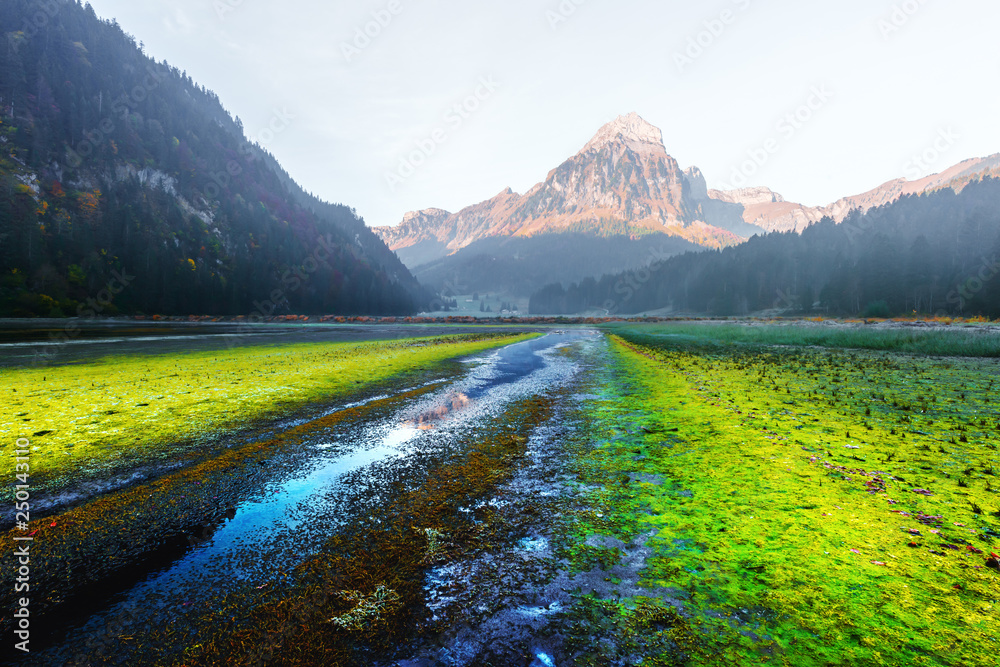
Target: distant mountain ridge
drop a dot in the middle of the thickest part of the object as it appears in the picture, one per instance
(933, 253)
(623, 182)
(768, 210)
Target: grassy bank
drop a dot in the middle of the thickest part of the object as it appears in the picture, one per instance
(803, 507)
(964, 342)
(121, 412)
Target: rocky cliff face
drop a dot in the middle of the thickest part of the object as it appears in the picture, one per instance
(956, 178)
(623, 182)
(769, 211)
(748, 196)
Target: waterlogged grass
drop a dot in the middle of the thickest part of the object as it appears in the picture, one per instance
(120, 412)
(803, 507)
(363, 596)
(972, 341)
(179, 509)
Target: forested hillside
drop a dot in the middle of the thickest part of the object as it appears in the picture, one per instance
(117, 170)
(931, 254)
(520, 265)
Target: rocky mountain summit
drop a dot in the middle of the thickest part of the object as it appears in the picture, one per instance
(621, 183)
(624, 183)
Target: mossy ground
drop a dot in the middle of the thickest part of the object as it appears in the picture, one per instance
(733, 503)
(803, 506)
(117, 413)
(968, 340)
(362, 598)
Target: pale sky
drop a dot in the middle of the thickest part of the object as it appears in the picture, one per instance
(888, 80)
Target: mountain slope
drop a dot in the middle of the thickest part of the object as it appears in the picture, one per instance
(517, 266)
(769, 211)
(934, 253)
(622, 183)
(115, 165)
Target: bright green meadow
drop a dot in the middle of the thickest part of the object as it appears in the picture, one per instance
(120, 412)
(803, 505)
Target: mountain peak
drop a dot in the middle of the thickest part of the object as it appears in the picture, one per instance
(426, 213)
(638, 134)
(748, 196)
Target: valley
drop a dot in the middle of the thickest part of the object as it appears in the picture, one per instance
(384, 335)
(623, 207)
(666, 493)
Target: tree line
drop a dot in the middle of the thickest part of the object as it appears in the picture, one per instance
(933, 254)
(114, 163)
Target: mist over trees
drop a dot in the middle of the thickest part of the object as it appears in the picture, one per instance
(938, 253)
(519, 265)
(113, 164)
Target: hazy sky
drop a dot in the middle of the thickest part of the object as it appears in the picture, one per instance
(887, 80)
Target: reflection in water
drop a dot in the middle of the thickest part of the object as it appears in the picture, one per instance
(286, 519)
(453, 403)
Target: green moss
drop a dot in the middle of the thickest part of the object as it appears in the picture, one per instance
(136, 522)
(641, 626)
(120, 412)
(362, 594)
(791, 482)
(969, 341)
(369, 577)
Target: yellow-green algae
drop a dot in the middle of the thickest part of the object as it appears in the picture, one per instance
(125, 411)
(808, 507)
(142, 520)
(363, 592)
(930, 338)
